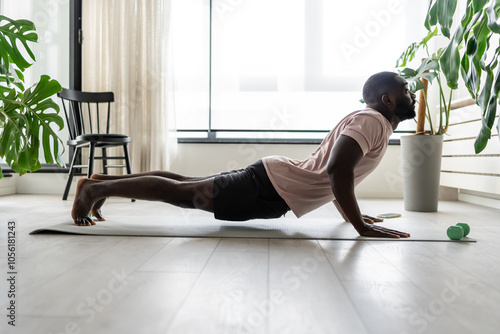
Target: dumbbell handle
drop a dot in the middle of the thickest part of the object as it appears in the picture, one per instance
(465, 227)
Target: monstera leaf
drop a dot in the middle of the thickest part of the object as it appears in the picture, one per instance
(27, 116)
(12, 31)
(472, 51)
(28, 120)
(441, 12)
(427, 70)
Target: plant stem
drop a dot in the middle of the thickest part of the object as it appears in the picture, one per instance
(442, 102)
(448, 113)
(422, 108)
(428, 114)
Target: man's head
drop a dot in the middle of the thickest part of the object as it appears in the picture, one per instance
(388, 93)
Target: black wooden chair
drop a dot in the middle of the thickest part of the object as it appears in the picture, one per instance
(85, 122)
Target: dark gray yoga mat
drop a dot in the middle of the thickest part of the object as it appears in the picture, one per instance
(205, 227)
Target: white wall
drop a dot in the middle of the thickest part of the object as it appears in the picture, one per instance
(51, 19)
(477, 176)
(205, 159)
(8, 185)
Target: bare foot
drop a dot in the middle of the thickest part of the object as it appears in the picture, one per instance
(96, 208)
(82, 204)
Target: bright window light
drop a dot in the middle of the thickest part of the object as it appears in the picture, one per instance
(283, 64)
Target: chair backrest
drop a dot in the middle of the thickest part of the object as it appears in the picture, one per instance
(82, 111)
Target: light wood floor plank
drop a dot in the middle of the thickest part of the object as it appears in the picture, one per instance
(243, 245)
(311, 296)
(359, 261)
(148, 304)
(193, 285)
(451, 291)
(187, 255)
(390, 307)
(226, 297)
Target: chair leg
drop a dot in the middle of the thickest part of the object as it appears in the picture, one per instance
(70, 174)
(90, 169)
(104, 161)
(127, 162)
(127, 159)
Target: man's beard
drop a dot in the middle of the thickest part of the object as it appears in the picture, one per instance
(406, 111)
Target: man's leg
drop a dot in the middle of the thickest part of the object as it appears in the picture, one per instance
(192, 194)
(96, 208)
(164, 174)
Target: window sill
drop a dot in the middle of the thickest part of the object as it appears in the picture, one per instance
(297, 137)
(46, 169)
(260, 141)
(247, 141)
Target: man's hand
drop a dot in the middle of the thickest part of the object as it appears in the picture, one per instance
(370, 230)
(344, 156)
(366, 218)
(371, 220)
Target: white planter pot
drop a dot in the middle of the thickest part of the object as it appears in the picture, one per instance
(421, 162)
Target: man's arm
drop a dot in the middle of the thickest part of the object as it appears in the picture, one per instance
(366, 218)
(345, 155)
(339, 209)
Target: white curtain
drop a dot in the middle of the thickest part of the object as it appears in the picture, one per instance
(126, 50)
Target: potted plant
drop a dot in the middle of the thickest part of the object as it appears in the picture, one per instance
(26, 114)
(466, 54)
(421, 153)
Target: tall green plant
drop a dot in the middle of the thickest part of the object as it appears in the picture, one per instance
(430, 69)
(468, 54)
(26, 115)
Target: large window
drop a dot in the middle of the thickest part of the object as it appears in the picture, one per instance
(190, 34)
(51, 19)
(282, 68)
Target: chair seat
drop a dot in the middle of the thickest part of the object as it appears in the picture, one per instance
(85, 122)
(102, 139)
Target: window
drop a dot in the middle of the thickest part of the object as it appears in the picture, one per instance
(282, 68)
(190, 40)
(51, 19)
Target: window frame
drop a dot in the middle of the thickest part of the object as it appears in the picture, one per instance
(75, 76)
(211, 133)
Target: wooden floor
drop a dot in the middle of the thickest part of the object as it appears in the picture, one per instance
(85, 284)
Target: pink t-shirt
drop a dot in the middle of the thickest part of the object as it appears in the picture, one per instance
(305, 185)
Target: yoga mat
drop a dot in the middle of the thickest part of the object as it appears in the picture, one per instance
(204, 227)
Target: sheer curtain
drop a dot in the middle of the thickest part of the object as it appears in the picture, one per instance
(126, 50)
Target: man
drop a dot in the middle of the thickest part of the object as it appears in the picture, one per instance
(274, 185)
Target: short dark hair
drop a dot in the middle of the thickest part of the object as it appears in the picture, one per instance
(377, 85)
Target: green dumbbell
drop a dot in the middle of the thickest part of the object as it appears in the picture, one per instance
(458, 231)
(465, 227)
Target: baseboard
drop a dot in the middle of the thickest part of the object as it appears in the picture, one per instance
(4, 191)
(364, 194)
(479, 200)
(8, 185)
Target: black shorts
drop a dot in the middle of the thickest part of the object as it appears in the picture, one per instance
(247, 194)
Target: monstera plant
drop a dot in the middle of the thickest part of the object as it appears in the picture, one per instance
(28, 116)
(471, 52)
(418, 79)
